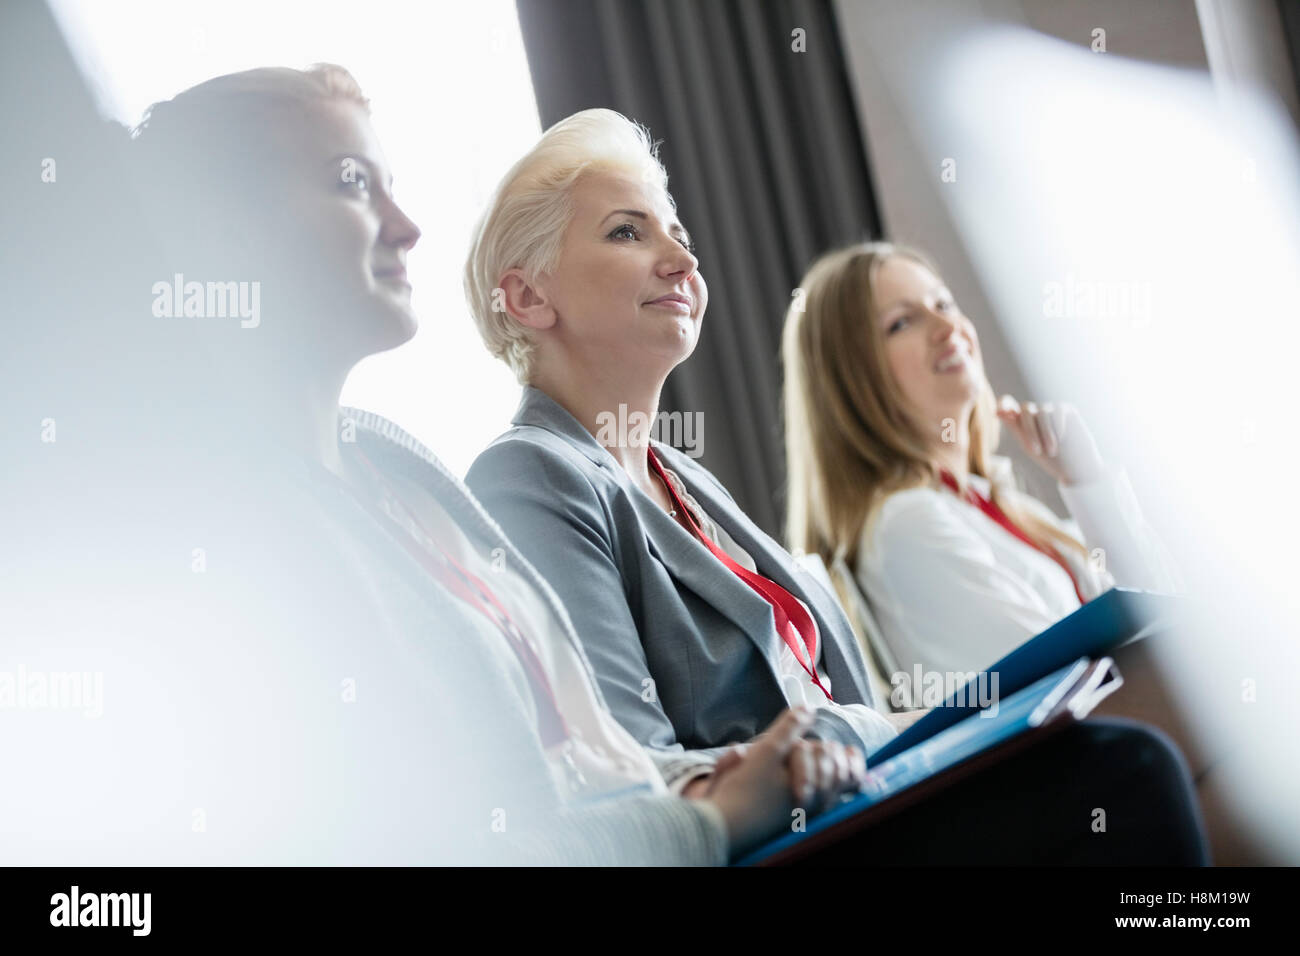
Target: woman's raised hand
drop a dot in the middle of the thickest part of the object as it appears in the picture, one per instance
(1055, 436)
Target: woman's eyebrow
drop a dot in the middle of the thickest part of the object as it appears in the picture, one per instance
(912, 303)
(635, 213)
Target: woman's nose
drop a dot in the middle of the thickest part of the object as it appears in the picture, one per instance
(398, 228)
(679, 260)
(943, 323)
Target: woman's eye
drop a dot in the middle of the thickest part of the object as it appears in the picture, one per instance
(687, 244)
(355, 180)
(897, 324)
(626, 229)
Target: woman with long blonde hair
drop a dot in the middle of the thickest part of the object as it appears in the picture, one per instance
(891, 433)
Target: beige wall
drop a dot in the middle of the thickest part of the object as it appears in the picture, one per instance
(892, 48)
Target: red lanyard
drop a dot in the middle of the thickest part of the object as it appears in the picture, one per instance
(793, 622)
(998, 515)
(435, 559)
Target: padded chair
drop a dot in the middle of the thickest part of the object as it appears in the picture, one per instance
(839, 581)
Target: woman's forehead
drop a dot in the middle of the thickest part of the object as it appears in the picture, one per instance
(899, 278)
(324, 129)
(601, 192)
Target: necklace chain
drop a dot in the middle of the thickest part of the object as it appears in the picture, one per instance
(672, 512)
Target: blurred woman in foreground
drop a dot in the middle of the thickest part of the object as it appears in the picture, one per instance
(314, 646)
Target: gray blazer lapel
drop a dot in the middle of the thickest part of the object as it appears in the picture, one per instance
(694, 567)
(688, 561)
(539, 409)
(841, 655)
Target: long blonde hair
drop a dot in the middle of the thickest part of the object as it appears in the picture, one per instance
(849, 440)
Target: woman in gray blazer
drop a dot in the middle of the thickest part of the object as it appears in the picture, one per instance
(592, 315)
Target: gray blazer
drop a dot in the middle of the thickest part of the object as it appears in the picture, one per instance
(685, 652)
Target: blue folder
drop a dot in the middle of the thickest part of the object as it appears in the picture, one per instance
(1104, 623)
(1081, 682)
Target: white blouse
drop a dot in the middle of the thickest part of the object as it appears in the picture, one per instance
(954, 591)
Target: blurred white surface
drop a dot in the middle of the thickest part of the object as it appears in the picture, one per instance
(447, 149)
(1139, 235)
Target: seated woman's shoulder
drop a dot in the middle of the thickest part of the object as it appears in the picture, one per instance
(530, 468)
(528, 453)
(913, 501)
(908, 519)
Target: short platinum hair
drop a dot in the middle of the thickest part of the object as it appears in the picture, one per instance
(524, 224)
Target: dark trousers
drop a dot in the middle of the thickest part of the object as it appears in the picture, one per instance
(1044, 805)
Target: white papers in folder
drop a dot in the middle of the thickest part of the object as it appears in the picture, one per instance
(1077, 687)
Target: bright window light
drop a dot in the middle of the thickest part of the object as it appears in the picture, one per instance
(452, 103)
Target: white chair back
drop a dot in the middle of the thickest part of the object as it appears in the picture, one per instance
(839, 582)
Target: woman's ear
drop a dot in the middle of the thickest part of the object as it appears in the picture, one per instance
(526, 303)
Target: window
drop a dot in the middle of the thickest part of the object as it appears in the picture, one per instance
(452, 103)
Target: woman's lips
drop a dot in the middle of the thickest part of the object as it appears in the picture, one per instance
(953, 360)
(674, 303)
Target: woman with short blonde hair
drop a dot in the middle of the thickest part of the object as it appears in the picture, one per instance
(527, 215)
(583, 279)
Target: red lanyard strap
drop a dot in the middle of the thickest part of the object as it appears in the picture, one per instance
(793, 622)
(991, 509)
(473, 591)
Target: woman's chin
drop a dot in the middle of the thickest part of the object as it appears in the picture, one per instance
(395, 324)
(684, 344)
(960, 386)
(662, 357)
(406, 327)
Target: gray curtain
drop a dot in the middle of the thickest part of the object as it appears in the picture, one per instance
(1290, 11)
(766, 163)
